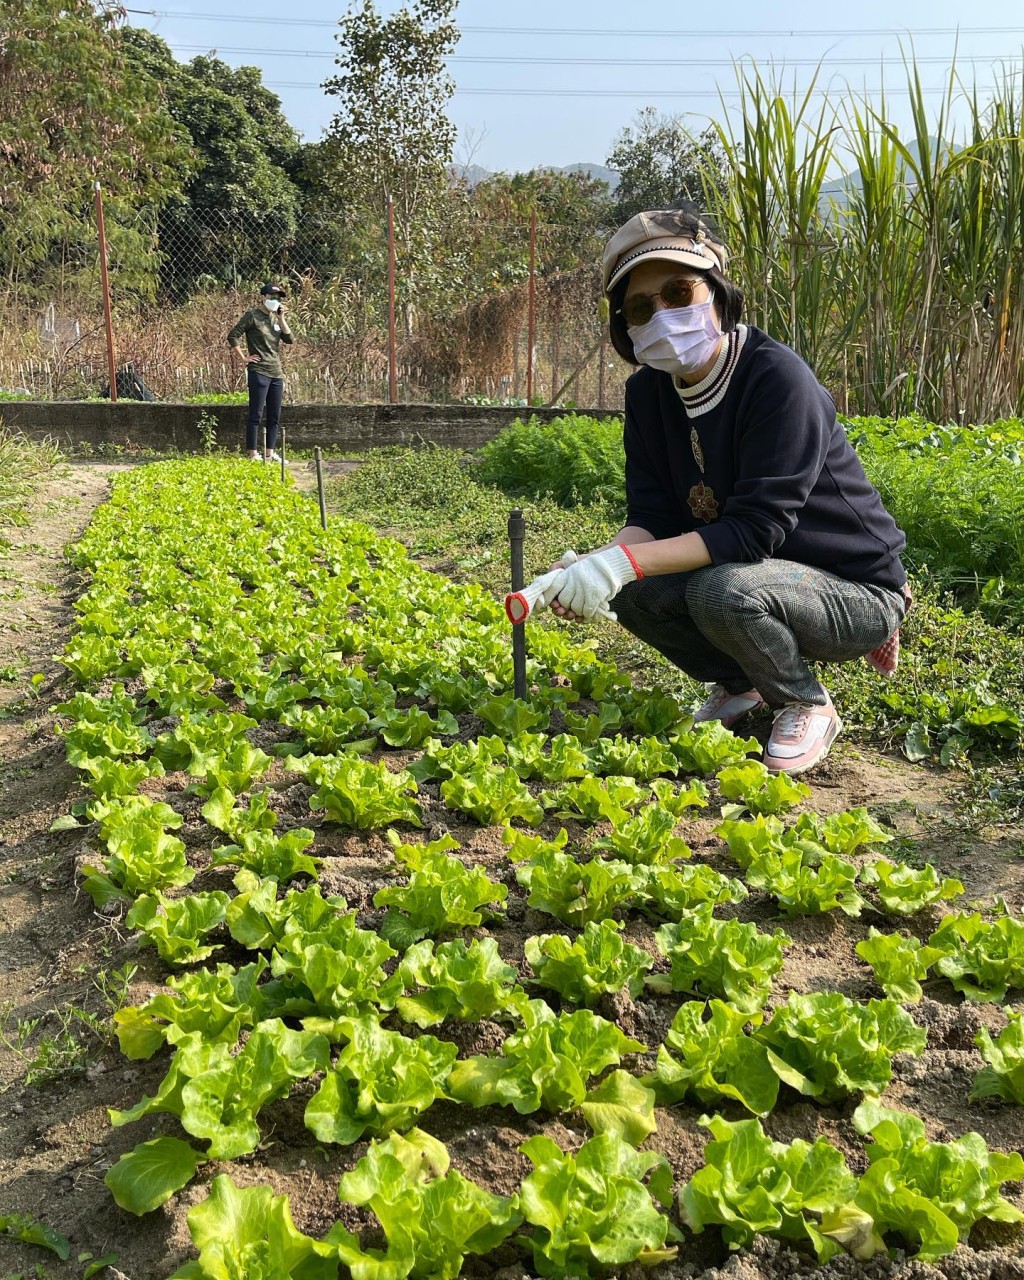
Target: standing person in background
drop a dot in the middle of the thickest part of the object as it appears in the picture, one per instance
(264, 328)
(753, 543)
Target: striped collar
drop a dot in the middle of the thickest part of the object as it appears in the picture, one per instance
(705, 395)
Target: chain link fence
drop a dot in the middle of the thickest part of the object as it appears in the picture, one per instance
(179, 282)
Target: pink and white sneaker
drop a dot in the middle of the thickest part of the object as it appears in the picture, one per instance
(801, 736)
(727, 707)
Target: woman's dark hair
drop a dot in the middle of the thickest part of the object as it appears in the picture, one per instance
(728, 304)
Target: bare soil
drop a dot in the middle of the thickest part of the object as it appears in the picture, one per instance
(56, 1142)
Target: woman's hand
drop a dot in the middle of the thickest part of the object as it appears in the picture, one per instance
(592, 582)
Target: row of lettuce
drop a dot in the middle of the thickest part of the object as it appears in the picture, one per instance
(213, 589)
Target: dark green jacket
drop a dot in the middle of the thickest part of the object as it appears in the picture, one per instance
(263, 338)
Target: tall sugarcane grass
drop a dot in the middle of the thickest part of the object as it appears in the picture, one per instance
(904, 291)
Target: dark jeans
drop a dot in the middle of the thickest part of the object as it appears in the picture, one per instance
(263, 390)
(755, 626)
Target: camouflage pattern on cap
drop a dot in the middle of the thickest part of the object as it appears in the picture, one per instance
(671, 235)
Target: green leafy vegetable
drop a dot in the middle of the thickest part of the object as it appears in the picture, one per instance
(827, 1046)
(1003, 1077)
(983, 960)
(709, 746)
(803, 889)
(357, 794)
(645, 839)
(720, 957)
(931, 1193)
(491, 795)
(218, 1094)
(599, 961)
(708, 1055)
(442, 896)
(750, 1185)
(577, 892)
(456, 981)
(904, 891)
(591, 1211)
(381, 1081)
(432, 1218)
(899, 964)
(175, 926)
(547, 1064)
(147, 1177)
(758, 790)
(670, 893)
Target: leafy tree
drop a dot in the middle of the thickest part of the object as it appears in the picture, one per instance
(659, 163)
(75, 111)
(236, 213)
(391, 138)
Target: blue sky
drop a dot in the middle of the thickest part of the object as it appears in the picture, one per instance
(572, 73)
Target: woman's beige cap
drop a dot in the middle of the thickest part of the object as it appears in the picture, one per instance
(661, 233)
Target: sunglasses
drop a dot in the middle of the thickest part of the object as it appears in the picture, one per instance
(639, 307)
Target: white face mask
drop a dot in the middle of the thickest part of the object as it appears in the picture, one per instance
(271, 304)
(679, 340)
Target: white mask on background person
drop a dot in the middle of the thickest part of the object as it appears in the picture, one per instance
(678, 340)
(272, 304)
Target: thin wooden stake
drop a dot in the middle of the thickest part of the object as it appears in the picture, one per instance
(317, 453)
(283, 472)
(105, 282)
(516, 538)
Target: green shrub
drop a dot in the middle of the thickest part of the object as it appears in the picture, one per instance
(570, 459)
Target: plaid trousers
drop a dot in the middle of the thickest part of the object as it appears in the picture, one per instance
(756, 626)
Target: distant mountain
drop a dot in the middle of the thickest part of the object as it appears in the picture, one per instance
(474, 173)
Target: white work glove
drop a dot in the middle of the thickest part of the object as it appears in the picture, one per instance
(566, 559)
(593, 581)
(536, 595)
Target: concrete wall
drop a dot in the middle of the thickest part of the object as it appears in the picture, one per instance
(349, 428)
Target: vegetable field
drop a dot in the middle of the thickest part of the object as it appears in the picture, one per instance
(402, 976)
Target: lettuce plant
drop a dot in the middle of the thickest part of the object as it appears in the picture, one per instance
(257, 918)
(248, 1231)
(596, 800)
(708, 747)
(270, 856)
(355, 793)
(930, 1193)
(178, 927)
(103, 726)
(719, 957)
(750, 838)
(628, 758)
(411, 727)
(218, 1094)
(1003, 1076)
(337, 968)
(898, 963)
(431, 1217)
(547, 1064)
(508, 715)
(802, 889)
(982, 959)
(708, 1055)
(215, 1004)
(555, 759)
(827, 1046)
(598, 962)
(904, 891)
(591, 727)
(220, 812)
(451, 980)
(841, 833)
(670, 893)
(491, 795)
(147, 1177)
(591, 1211)
(645, 839)
(381, 1081)
(750, 1185)
(442, 895)
(577, 892)
(753, 788)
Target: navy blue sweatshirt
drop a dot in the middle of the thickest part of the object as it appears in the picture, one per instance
(779, 476)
